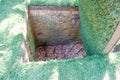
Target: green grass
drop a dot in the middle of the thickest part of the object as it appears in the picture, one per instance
(98, 22)
(95, 67)
(54, 2)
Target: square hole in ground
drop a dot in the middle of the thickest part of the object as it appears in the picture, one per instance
(56, 32)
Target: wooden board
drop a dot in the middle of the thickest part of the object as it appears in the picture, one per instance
(113, 40)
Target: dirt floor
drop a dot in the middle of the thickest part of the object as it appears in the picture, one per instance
(61, 51)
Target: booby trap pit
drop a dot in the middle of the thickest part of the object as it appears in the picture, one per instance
(55, 31)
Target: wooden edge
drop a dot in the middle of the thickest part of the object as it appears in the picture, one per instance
(62, 8)
(73, 10)
(113, 40)
(24, 57)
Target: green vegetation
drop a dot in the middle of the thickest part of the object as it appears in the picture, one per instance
(95, 67)
(98, 22)
(54, 2)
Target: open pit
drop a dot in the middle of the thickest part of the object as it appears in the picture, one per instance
(54, 31)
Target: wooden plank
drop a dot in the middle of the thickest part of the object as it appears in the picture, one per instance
(113, 40)
(24, 56)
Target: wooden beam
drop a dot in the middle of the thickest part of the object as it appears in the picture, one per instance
(113, 40)
(24, 56)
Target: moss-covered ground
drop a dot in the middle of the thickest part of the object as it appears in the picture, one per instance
(94, 67)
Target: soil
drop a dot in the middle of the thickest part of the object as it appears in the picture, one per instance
(61, 51)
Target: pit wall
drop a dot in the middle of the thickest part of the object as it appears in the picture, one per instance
(98, 20)
(30, 44)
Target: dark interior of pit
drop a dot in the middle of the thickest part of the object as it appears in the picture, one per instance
(56, 32)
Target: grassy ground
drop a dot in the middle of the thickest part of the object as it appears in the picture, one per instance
(98, 22)
(54, 2)
(95, 67)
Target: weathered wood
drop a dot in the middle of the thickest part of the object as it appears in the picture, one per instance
(24, 57)
(113, 40)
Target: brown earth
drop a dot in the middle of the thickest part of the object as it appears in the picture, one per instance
(61, 51)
